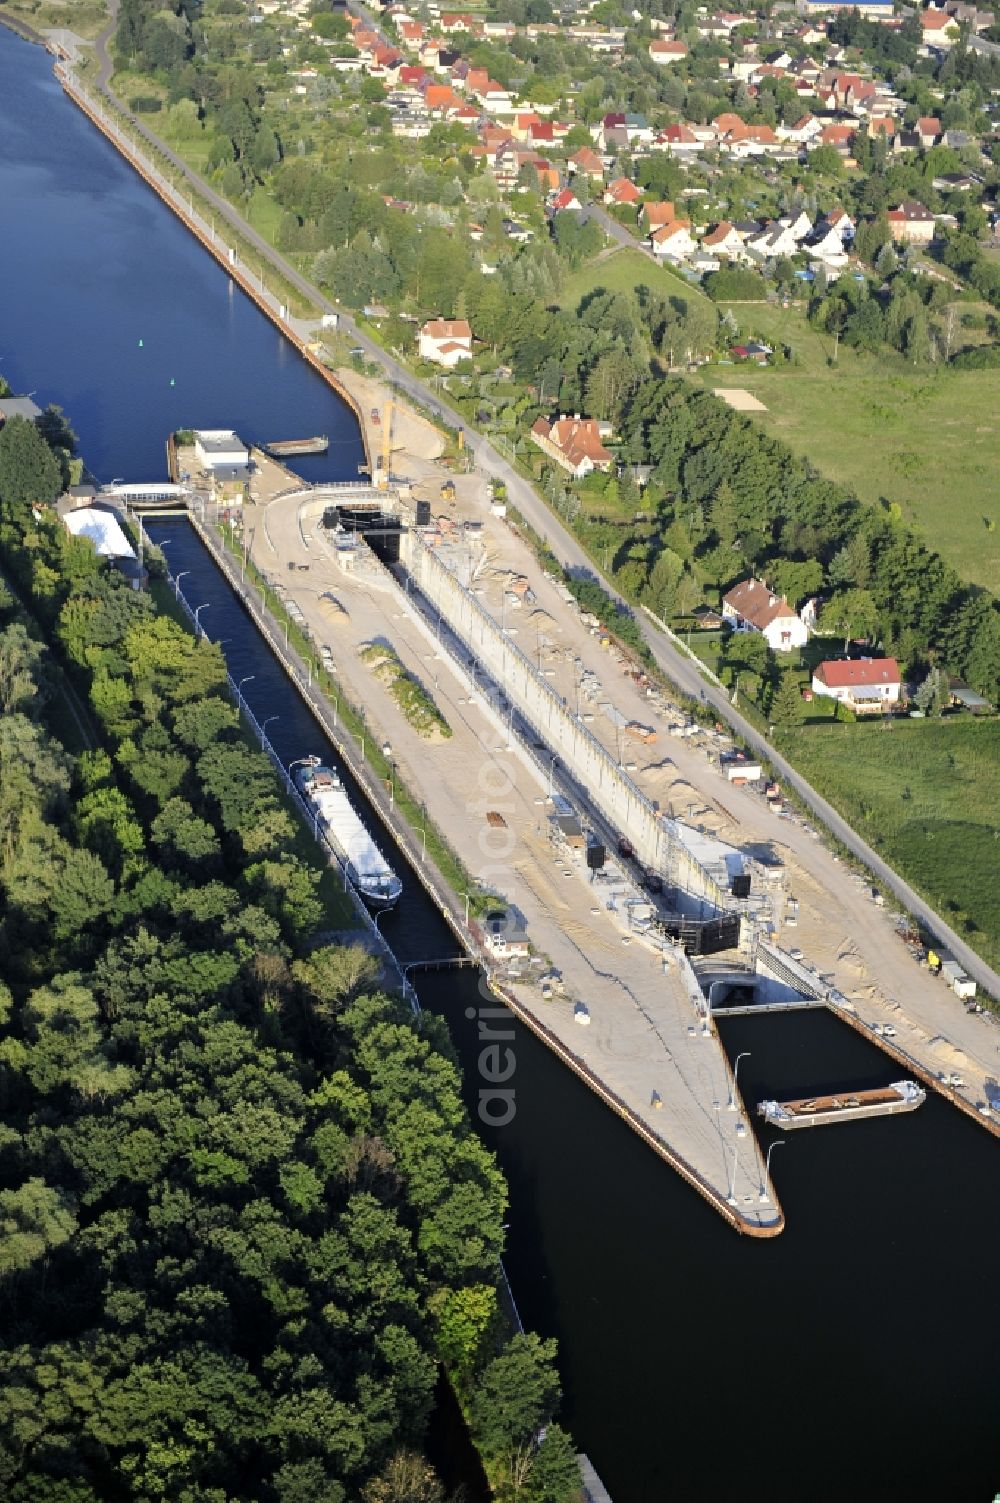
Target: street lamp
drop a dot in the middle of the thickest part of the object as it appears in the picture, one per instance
(552, 763)
(197, 623)
(177, 581)
(465, 895)
(731, 1197)
(263, 729)
(736, 1072)
(239, 688)
(778, 1143)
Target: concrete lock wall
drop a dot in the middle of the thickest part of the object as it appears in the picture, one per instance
(611, 791)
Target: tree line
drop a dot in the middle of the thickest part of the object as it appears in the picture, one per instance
(243, 1214)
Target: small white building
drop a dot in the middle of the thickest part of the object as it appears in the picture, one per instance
(673, 242)
(864, 684)
(752, 606)
(220, 449)
(445, 341)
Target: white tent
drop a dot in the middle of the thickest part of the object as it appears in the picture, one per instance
(103, 529)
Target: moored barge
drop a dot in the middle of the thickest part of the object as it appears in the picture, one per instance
(845, 1106)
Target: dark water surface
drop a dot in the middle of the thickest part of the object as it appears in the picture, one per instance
(91, 263)
(852, 1358)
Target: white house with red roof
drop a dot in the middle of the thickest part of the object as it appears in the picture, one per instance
(574, 443)
(864, 684)
(445, 341)
(622, 191)
(753, 606)
(589, 163)
(725, 240)
(679, 140)
(673, 241)
(565, 199)
(667, 52)
(937, 28)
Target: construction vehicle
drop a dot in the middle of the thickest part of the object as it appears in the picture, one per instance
(448, 490)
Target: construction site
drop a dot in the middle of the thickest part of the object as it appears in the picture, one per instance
(632, 872)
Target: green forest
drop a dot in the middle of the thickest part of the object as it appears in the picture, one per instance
(244, 1218)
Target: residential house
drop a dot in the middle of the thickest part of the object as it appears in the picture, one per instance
(804, 129)
(679, 140)
(863, 684)
(937, 29)
(775, 239)
(622, 191)
(928, 128)
(574, 443)
(652, 216)
(911, 222)
(673, 241)
(563, 200)
(445, 341)
(725, 240)
(827, 245)
(799, 225)
(752, 606)
(667, 52)
(587, 162)
(838, 219)
(840, 137)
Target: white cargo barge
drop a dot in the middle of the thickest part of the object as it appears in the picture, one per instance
(327, 801)
(847, 1106)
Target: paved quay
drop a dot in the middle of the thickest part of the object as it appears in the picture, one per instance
(848, 939)
(644, 1045)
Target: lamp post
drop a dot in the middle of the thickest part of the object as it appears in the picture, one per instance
(552, 763)
(198, 629)
(239, 688)
(263, 729)
(778, 1143)
(465, 895)
(731, 1197)
(736, 1072)
(177, 582)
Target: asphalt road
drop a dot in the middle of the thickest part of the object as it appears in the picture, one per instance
(678, 668)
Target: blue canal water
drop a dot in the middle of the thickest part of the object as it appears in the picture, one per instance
(110, 308)
(852, 1358)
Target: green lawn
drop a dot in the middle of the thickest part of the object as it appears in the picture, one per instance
(926, 795)
(623, 271)
(926, 438)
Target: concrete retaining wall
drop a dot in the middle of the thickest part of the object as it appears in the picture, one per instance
(611, 791)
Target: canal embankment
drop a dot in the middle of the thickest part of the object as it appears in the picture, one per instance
(218, 246)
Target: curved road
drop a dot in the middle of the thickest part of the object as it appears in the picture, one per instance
(669, 658)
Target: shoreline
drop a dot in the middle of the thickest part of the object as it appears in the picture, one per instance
(219, 254)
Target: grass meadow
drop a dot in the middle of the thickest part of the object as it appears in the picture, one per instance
(927, 438)
(925, 794)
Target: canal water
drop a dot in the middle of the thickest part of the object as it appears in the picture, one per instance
(852, 1357)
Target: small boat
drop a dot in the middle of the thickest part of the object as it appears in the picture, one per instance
(293, 446)
(336, 818)
(901, 1096)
